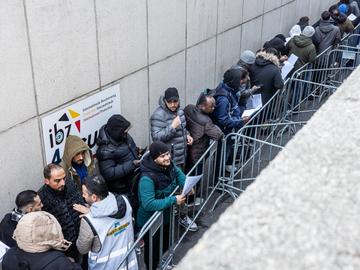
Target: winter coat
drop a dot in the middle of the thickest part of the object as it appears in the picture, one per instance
(265, 71)
(7, 228)
(278, 44)
(116, 161)
(161, 130)
(155, 186)
(73, 146)
(60, 204)
(302, 47)
(201, 129)
(326, 35)
(87, 241)
(228, 111)
(17, 259)
(346, 27)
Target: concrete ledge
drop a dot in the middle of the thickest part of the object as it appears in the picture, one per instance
(303, 211)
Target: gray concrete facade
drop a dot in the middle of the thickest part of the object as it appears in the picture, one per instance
(302, 212)
(55, 52)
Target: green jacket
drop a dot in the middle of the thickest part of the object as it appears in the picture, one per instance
(152, 199)
(303, 48)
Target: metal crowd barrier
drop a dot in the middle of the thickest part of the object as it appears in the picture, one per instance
(254, 145)
(206, 165)
(287, 111)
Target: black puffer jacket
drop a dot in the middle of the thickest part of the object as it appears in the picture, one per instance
(116, 161)
(265, 71)
(60, 204)
(17, 259)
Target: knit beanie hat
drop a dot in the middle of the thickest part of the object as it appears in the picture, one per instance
(157, 149)
(248, 57)
(308, 31)
(116, 126)
(39, 232)
(171, 94)
(343, 8)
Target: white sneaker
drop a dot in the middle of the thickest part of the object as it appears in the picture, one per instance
(186, 221)
(198, 202)
(230, 168)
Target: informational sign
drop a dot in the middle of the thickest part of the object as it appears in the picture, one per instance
(83, 118)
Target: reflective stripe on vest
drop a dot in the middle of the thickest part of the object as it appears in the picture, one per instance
(116, 237)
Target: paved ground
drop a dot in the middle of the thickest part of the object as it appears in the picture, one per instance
(303, 210)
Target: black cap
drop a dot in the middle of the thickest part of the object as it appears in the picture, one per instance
(171, 94)
(157, 149)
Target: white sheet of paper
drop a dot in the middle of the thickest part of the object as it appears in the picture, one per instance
(351, 17)
(190, 182)
(249, 112)
(288, 65)
(253, 104)
(286, 69)
(292, 59)
(3, 249)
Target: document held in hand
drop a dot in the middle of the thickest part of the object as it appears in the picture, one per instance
(253, 104)
(190, 182)
(288, 65)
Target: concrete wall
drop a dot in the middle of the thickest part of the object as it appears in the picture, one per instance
(54, 52)
(302, 212)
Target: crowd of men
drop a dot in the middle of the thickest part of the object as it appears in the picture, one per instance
(88, 210)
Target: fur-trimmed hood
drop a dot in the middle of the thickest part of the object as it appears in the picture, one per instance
(263, 59)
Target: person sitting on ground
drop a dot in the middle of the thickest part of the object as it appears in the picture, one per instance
(40, 245)
(58, 195)
(201, 127)
(168, 124)
(303, 47)
(106, 227)
(77, 159)
(26, 201)
(159, 178)
(326, 34)
(117, 154)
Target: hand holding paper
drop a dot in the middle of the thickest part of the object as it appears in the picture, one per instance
(190, 182)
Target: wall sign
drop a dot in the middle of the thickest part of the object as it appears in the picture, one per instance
(83, 118)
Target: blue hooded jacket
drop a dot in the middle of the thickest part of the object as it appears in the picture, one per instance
(228, 111)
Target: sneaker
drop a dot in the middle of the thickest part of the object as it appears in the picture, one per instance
(198, 202)
(185, 222)
(230, 168)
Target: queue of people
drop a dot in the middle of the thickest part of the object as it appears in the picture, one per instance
(87, 213)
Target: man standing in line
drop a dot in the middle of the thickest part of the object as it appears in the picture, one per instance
(58, 196)
(26, 201)
(168, 124)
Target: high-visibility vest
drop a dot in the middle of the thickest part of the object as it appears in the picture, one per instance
(116, 237)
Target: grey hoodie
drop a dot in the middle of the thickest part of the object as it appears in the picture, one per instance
(326, 35)
(111, 206)
(161, 130)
